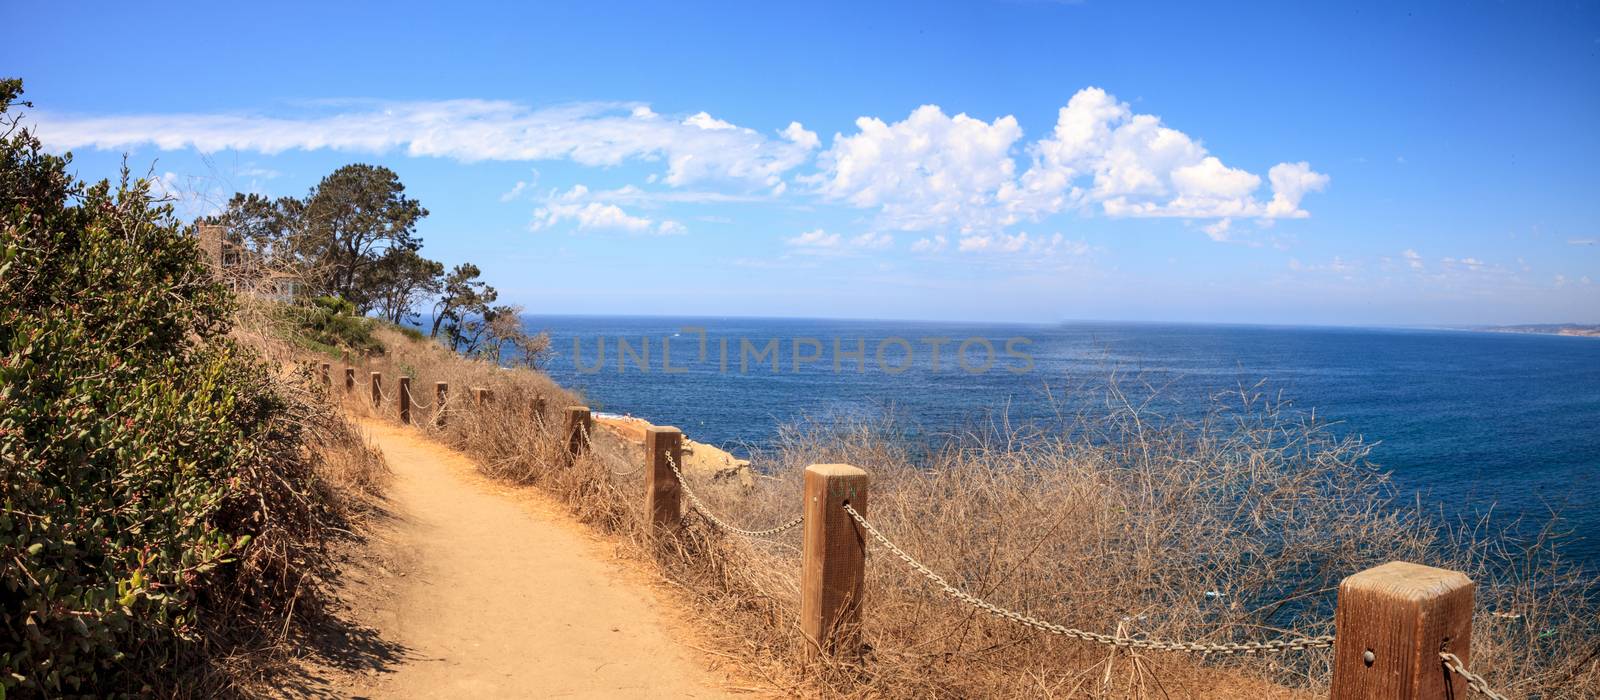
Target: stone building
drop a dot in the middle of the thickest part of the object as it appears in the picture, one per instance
(237, 268)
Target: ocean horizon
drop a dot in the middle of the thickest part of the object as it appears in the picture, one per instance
(1475, 424)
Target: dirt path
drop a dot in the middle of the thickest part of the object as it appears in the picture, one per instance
(487, 593)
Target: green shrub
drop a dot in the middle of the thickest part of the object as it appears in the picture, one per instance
(415, 335)
(140, 449)
(333, 322)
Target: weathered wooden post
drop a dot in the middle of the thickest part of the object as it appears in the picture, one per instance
(326, 379)
(440, 391)
(377, 389)
(579, 423)
(833, 564)
(663, 447)
(536, 409)
(349, 379)
(405, 400)
(1391, 624)
(481, 396)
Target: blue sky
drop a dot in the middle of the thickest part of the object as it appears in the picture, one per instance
(1031, 161)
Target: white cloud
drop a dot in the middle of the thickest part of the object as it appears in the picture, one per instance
(929, 245)
(820, 242)
(1218, 230)
(164, 186)
(798, 135)
(1472, 264)
(515, 191)
(522, 187)
(1021, 243)
(816, 238)
(708, 122)
(926, 171)
(593, 134)
(929, 171)
(933, 170)
(1290, 183)
(577, 206)
(263, 173)
(1338, 266)
(629, 194)
(872, 241)
(1412, 258)
(190, 196)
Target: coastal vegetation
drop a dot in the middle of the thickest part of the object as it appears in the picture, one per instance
(168, 498)
(351, 248)
(1126, 520)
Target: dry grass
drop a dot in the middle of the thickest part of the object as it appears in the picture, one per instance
(1237, 527)
(319, 489)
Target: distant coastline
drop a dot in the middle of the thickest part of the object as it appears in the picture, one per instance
(1576, 329)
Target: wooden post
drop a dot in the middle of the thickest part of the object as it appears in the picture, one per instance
(833, 564)
(536, 409)
(579, 423)
(1391, 624)
(440, 391)
(481, 396)
(405, 400)
(349, 379)
(377, 390)
(661, 487)
(326, 380)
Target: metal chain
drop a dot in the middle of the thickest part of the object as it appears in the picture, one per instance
(1451, 661)
(700, 505)
(1276, 645)
(1474, 681)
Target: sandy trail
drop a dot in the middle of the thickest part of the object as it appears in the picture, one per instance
(497, 594)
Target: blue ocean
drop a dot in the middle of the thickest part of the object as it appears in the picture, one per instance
(1473, 422)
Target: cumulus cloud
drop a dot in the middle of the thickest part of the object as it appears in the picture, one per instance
(694, 149)
(928, 170)
(575, 205)
(933, 170)
(1413, 259)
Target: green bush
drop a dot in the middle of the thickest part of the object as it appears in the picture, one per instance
(416, 336)
(140, 449)
(333, 322)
